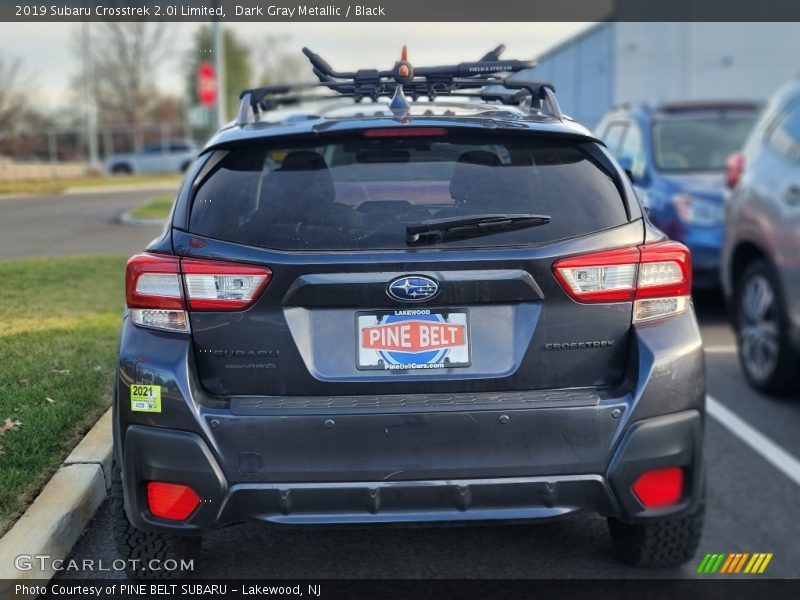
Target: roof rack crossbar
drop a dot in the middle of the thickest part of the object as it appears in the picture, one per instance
(246, 114)
(542, 91)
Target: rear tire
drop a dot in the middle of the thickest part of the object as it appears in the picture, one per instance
(139, 547)
(664, 543)
(762, 330)
(121, 169)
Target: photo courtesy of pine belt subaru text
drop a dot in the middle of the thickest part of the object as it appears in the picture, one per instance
(417, 295)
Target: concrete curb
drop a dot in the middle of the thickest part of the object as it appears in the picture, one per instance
(15, 196)
(105, 189)
(127, 219)
(60, 513)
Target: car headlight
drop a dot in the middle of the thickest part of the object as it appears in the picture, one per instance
(697, 211)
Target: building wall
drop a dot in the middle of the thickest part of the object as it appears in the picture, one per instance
(614, 63)
(650, 62)
(656, 62)
(582, 71)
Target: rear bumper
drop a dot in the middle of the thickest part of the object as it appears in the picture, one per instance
(182, 457)
(415, 458)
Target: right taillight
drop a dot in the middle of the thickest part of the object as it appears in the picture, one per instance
(160, 288)
(665, 281)
(656, 277)
(734, 168)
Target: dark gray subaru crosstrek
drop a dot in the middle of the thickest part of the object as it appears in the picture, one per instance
(408, 311)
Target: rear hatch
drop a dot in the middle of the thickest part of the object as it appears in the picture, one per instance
(357, 303)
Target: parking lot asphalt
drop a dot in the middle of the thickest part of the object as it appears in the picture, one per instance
(81, 223)
(752, 498)
(752, 506)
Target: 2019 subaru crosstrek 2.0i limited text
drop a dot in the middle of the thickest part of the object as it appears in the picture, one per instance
(409, 312)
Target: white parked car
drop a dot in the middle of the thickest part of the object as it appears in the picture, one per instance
(173, 156)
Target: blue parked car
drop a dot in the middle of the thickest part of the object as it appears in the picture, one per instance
(675, 155)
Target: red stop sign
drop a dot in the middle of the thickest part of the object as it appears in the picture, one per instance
(206, 84)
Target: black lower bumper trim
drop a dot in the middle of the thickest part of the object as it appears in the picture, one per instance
(419, 501)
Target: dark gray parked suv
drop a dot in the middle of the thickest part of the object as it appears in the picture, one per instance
(408, 312)
(761, 256)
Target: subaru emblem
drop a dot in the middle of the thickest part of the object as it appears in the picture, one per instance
(412, 288)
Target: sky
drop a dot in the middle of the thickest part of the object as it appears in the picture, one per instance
(49, 61)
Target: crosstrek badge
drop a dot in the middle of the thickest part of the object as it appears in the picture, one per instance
(145, 398)
(413, 339)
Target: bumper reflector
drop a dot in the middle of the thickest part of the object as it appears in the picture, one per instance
(660, 487)
(171, 500)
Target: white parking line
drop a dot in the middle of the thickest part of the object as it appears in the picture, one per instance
(765, 447)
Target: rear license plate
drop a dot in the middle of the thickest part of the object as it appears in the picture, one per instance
(402, 340)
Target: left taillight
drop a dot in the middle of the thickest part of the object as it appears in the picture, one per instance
(657, 278)
(216, 285)
(154, 293)
(159, 289)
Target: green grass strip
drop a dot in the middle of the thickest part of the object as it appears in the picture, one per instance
(155, 208)
(59, 329)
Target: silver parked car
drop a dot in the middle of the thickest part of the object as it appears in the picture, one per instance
(761, 255)
(173, 156)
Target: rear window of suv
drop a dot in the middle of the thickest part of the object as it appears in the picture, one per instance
(699, 144)
(360, 193)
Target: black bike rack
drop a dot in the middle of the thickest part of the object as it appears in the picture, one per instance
(487, 79)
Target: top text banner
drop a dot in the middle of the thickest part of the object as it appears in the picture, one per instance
(400, 10)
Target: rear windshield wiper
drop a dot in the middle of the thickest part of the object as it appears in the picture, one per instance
(433, 231)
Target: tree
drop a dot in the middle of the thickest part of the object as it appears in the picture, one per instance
(125, 59)
(21, 122)
(276, 64)
(12, 100)
(238, 71)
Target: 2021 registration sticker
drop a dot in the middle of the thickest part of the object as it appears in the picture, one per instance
(145, 398)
